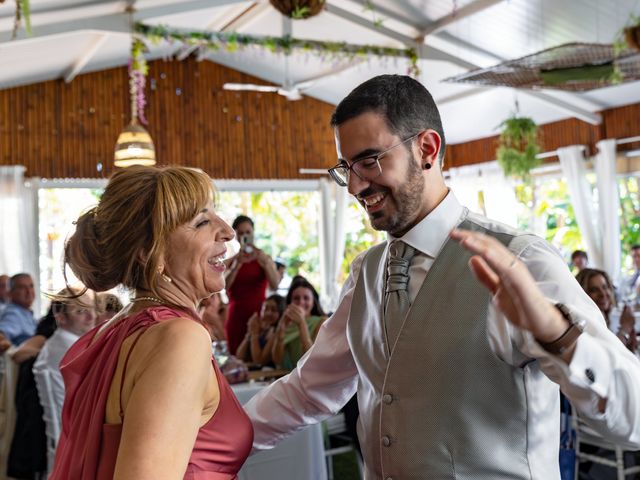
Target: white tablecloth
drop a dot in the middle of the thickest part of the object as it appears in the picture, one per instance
(300, 457)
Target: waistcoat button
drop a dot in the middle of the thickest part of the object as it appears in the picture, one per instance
(386, 398)
(386, 441)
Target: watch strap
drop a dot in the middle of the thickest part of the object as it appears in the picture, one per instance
(568, 338)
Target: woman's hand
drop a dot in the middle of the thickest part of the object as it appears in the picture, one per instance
(514, 290)
(294, 314)
(254, 324)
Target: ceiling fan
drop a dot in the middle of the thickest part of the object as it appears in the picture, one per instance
(288, 89)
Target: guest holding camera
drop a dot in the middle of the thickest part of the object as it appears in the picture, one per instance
(249, 273)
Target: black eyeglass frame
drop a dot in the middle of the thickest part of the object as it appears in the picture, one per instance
(346, 168)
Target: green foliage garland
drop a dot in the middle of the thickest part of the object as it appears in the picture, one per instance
(233, 41)
(518, 147)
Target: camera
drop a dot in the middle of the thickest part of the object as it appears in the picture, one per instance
(246, 242)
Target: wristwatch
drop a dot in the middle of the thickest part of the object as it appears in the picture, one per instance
(570, 335)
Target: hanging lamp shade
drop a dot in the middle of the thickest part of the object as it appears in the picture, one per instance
(134, 147)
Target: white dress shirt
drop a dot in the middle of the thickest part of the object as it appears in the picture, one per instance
(326, 376)
(46, 371)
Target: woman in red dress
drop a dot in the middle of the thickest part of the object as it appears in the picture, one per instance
(249, 274)
(144, 398)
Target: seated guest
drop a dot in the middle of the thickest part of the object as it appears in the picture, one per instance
(74, 317)
(213, 312)
(599, 287)
(143, 397)
(16, 321)
(631, 284)
(28, 450)
(579, 260)
(32, 346)
(107, 305)
(300, 324)
(257, 345)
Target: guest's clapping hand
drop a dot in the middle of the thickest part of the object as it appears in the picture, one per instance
(628, 329)
(514, 290)
(294, 314)
(254, 324)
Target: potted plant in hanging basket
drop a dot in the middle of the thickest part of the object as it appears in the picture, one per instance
(632, 34)
(518, 147)
(298, 9)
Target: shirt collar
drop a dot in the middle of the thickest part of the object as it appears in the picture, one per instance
(67, 335)
(430, 234)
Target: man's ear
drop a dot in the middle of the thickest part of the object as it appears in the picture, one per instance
(429, 143)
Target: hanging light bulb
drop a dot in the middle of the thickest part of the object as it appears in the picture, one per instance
(134, 145)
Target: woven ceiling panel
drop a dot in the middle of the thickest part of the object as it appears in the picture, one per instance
(572, 66)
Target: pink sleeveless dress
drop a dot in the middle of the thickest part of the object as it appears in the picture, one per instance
(88, 448)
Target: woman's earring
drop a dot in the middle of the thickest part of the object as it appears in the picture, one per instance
(164, 277)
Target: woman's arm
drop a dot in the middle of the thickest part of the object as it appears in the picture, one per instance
(28, 349)
(164, 410)
(277, 350)
(269, 267)
(267, 352)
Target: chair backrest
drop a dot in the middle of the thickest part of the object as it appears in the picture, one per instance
(7, 409)
(51, 413)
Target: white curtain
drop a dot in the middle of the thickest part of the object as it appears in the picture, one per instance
(484, 189)
(609, 206)
(574, 170)
(332, 240)
(19, 232)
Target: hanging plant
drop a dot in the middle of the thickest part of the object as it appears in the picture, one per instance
(518, 147)
(628, 37)
(298, 9)
(231, 42)
(23, 12)
(138, 70)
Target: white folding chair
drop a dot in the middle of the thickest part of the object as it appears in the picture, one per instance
(585, 435)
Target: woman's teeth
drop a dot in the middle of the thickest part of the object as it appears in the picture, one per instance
(216, 261)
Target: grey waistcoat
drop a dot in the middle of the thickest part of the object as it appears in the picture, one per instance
(437, 403)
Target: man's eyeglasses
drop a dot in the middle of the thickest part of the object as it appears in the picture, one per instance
(366, 168)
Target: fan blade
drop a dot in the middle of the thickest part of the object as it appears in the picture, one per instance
(290, 93)
(250, 87)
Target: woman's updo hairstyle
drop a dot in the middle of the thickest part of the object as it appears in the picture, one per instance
(122, 240)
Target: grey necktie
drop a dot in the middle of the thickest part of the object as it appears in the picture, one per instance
(397, 301)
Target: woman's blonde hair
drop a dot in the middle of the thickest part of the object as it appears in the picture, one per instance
(123, 238)
(585, 275)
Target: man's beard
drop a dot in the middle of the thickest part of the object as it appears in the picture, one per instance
(407, 201)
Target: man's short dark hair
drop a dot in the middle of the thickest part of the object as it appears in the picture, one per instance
(15, 278)
(241, 219)
(405, 103)
(579, 253)
(636, 246)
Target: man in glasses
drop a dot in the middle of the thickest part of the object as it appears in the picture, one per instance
(457, 331)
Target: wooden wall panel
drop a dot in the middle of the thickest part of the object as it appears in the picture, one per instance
(69, 130)
(620, 122)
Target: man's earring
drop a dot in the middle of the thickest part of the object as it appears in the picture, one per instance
(426, 166)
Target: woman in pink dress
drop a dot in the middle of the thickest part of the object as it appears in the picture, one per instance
(144, 398)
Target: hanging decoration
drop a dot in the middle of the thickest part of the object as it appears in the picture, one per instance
(298, 9)
(134, 145)
(23, 12)
(232, 42)
(629, 36)
(518, 147)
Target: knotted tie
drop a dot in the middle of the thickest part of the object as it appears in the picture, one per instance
(397, 301)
